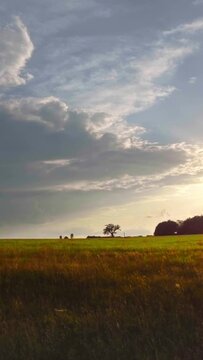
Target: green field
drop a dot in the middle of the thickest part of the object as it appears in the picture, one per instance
(133, 299)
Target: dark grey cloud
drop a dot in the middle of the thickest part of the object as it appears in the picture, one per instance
(30, 140)
(118, 163)
(45, 206)
(43, 144)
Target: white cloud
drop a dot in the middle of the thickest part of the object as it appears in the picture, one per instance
(128, 135)
(16, 49)
(136, 87)
(189, 28)
(165, 59)
(198, 2)
(124, 79)
(192, 80)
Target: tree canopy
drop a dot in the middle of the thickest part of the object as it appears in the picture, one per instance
(111, 229)
(166, 228)
(192, 225)
(189, 226)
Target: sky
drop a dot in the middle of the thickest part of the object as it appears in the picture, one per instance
(101, 115)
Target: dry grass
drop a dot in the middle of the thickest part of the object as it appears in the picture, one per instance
(135, 305)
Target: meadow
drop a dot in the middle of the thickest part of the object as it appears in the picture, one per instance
(100, 299)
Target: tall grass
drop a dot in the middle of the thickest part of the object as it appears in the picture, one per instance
(135, 305)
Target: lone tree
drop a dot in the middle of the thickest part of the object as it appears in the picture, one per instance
(111, 229)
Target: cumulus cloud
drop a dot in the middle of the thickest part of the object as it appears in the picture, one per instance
(50, 111)
(51, 161)
(45, 129)
(50, 137)
(16, 49)
(54, 149)
(54, 114)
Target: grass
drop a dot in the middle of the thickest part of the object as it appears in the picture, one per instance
(135, 299)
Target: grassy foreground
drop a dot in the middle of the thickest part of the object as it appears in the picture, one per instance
(134, 299)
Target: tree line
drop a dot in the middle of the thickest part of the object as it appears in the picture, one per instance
(193, 225)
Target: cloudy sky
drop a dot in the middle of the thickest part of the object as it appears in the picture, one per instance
(101, 115)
